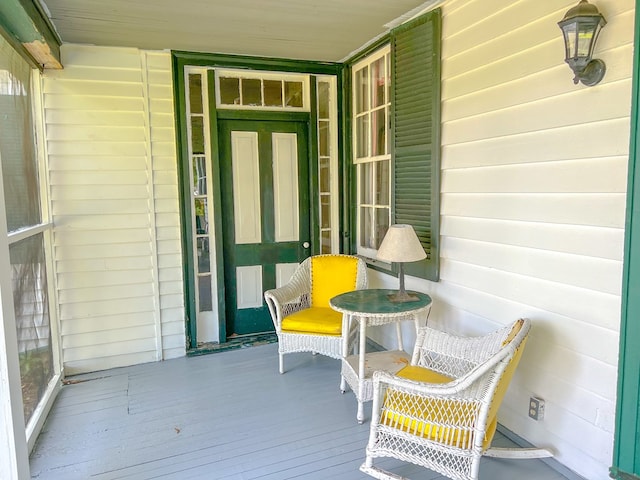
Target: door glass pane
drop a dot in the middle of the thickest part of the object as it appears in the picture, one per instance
(382, 182)
(200, 175)
(325, 211)
(361, 88)
(323, 100)
(197, 135)
(251, 91)
(195, 93)
(362, 135)
(202, 226)
(323, 138)
(30, 297)
(204, 293)
(325, 241)
(378, 80)
(366, 183)
(229, 91)
(273, 93)
(293, 94)
(378, 132)
(204, 260)
(325, 175)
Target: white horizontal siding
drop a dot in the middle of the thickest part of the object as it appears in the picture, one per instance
(533, 196)
(101, 141)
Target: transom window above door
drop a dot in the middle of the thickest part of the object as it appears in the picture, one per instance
(242, 89)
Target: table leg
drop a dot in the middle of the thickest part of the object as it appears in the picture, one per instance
(346, 334)
(361, 359)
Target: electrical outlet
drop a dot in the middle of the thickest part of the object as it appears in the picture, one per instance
(536, 408)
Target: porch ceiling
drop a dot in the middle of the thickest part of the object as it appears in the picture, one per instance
(327, 30)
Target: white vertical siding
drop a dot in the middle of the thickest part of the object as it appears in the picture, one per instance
(533, 206)
(114, 206)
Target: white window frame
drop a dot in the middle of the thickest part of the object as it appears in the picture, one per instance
(369, 158)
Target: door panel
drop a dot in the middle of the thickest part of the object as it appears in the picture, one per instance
(265, 205)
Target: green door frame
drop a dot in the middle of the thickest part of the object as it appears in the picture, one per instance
(180, 60)
(626, 454)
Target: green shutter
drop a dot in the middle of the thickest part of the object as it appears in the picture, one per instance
(415, 57)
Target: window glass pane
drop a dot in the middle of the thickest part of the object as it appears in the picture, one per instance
(200, 175)
(293, 94)
(195, 93)
(323, 138)
(361, 89)
(362, 136)
(323, 100)
(366, 183)
(229, 91)
(17, 151)
(378, 80)
(383, 182)
(387, 59)
(204, 293)
(251, 91)
(325, 211)
(378, 132)
(29, 280)
(202, 225)
(366, 233)
(382, 225)
(197, 135)
(273, 93)
(325, 241)
(204, 261)
(325, 175)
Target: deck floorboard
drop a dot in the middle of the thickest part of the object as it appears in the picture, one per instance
(227, 415)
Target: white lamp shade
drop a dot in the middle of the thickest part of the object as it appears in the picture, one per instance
(401, 244)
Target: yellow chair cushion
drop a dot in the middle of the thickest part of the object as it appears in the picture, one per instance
(331, 275)
(423, 415)
(324, 321)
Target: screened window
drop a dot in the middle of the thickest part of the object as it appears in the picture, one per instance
(27, 234)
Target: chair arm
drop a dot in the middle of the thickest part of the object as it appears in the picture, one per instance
(285, 300)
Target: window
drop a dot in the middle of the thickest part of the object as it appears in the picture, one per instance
(371, 149)
(396, 140)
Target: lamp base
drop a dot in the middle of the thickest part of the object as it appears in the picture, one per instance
(402, 297)
(592, 73)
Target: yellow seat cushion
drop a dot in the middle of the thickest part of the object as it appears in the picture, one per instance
(332, 275)
(324, 321)
(420, 416)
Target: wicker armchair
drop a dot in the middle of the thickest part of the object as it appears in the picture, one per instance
(440, 412)
(300, 310)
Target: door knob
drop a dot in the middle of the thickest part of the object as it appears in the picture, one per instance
(306, 245)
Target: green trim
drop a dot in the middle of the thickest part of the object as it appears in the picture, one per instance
(348, 241)
(620, 475)
(626, 455)
(257, 63)
(24, 21)
(259, 115)
(314, 189)
(217, 204)
(184, 192)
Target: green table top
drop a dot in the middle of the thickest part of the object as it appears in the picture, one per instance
(375, 301)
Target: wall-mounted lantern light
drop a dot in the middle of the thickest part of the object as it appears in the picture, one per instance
(580, 27)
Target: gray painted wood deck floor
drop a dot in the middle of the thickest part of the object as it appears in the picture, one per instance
(228, 415)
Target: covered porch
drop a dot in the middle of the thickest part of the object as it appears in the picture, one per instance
(228, 415)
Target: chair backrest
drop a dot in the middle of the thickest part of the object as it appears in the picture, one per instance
(517, 338)
(332, 275)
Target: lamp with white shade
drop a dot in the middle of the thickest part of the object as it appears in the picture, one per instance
(401, 245)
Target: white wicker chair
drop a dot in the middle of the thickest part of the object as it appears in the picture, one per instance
(296, 296)
(440, 412)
